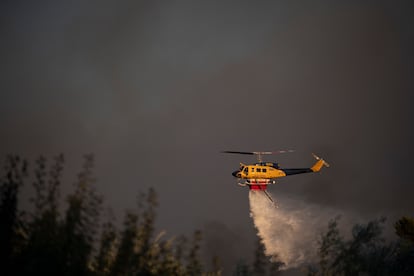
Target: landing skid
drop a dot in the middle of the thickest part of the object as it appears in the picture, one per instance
(256, 182)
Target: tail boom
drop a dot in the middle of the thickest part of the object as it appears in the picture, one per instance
(315, 168)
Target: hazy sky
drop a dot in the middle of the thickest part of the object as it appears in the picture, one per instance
(157, 89)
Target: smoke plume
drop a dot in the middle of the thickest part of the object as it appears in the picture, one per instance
(289, 231)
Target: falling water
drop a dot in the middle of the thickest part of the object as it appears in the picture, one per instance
(289, 231)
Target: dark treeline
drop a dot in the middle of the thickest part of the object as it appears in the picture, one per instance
(44, 241)
(79, 241)
(366, 252)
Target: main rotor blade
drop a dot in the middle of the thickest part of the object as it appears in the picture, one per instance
(258, 152)
(273, 152)
(239, 152)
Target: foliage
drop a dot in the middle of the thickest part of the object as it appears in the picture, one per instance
(42, 250)
(260, 259)
(47, 242)
(242, 269)
(262, 264)
(194, 266)
(366, 252)
(404, 228)
(12, 228)
(105, 258)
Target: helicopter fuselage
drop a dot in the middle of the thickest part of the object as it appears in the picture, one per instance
(259, 171)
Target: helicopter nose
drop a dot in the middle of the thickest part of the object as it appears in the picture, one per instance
(234, 173)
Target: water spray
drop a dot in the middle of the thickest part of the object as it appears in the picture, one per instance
(289, 233)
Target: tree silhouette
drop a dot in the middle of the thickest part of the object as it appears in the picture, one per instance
(242, 269)
(216, 271)
(404, 228)
(126, 259)
(146, 248)
(106, 255)
(260, 259)
(42, 253)
(265, 265)
(169, 264)
(81, 222)
(194, 266)
(404, 261)
(276, 265)
(366, 252)
(45, 242)
(12, 227)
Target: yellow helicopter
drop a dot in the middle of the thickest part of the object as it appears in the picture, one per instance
(260, 174)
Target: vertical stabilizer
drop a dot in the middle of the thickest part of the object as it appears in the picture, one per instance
(319, 164)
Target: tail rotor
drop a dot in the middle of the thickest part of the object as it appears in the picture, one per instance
(323, 161)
